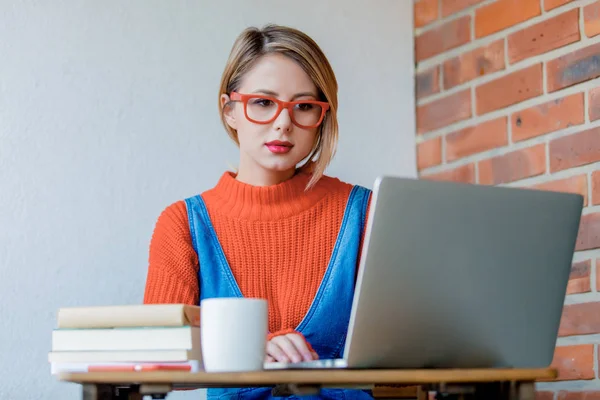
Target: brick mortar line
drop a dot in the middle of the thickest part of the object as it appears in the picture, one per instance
(471, 13)
(547, 154)
(566, 174)
(509, 131)
(586, 105)
(472, 9)
(582, 34)
(441, 78)
(592, 198)
(591, 210)
(516, 144)
(529, 181)
(595, 360)
(543, 7)
(549, 55)
(473, 101)
(593, 274)
(578, 339)
(506, 58)
(542, 58)
(534, 180)
(443, 92)
(589, 185)
(442, 20)
(545, 78)
(497, 35)
(584, 255)
(581, 87)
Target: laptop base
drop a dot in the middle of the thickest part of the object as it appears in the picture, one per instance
(335, 363)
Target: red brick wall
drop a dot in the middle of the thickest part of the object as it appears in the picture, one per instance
(508, 93)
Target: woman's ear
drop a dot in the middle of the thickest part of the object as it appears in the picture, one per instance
(227, 107)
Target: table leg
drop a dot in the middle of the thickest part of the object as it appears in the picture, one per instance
(295, 390)
(91, 391)
(156, 391)
(526, 391)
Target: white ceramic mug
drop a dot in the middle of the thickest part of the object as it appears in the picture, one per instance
(233, 334)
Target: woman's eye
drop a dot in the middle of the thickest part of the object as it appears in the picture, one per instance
(305, 106)
(262, 102)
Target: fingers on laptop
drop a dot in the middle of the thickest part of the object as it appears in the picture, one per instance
(276, 352)
(300, 343)
(285, 350)
(269, 359)
(289, 348)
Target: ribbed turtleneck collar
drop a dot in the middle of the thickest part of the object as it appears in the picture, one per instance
(241, 200)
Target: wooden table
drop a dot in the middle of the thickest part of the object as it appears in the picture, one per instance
(488, 384)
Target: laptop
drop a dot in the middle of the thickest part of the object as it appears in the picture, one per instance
(459, 276)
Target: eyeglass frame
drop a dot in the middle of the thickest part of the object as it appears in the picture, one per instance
(235, 96)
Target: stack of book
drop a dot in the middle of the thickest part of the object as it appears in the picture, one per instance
(127, 338)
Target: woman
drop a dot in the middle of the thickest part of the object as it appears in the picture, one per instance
(279, 228)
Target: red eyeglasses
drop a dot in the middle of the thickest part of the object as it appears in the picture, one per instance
(262, 109)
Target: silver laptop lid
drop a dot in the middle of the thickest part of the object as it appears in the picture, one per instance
(457, 275)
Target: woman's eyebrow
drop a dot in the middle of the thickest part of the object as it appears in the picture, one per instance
(305, 94)
(275, 94)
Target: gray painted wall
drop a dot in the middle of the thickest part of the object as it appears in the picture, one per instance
(108, 114)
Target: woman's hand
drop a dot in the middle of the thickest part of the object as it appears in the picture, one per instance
(289, 348)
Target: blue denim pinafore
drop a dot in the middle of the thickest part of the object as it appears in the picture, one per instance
(326, 322)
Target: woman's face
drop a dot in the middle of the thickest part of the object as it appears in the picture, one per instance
(277, 147)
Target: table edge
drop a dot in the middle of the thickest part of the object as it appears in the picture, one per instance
(377, 377)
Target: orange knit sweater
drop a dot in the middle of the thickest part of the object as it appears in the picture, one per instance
(277, 240)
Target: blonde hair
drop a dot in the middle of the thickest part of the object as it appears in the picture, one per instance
(252, 44)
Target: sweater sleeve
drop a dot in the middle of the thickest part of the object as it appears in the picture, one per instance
(172, 275)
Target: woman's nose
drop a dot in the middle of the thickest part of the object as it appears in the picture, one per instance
(283, 121)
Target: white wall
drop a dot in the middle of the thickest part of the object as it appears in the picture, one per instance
(108, 114)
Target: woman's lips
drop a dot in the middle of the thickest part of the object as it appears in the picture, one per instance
(279, 147)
